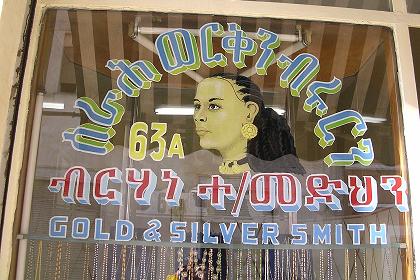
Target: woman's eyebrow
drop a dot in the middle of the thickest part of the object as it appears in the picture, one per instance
(215, 98)
(195, 99)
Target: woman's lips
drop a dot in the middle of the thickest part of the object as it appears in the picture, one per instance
(201, 131)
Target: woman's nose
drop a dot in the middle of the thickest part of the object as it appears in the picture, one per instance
(200, 116)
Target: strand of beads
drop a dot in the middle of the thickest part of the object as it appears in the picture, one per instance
(47, 272)
(68, 256)
(114, 262)
(30, 261)
(133, 263)
(143, 263)
(38, 262)
(364, 264)
(180, 261)
(355, 264)
(105, 263)
(171, 263)
(211, 268)
(218, 265)
(57, 273)
(152, 272)
(330, 265)
(96, 261)
(124, 262)
(238, 275)
(346, 265)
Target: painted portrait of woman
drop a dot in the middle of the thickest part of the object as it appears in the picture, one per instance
(231, 118)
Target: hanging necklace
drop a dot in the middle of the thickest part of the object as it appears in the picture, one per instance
(85, 263)
(133, 262)
(355, 264)
(171, 262)
(190, 264)
(67, 264)
(57, 274)
(105, 263)
(38, 265)
(96, 261)
(143, 263)
(364, 264)
(47, 272)
(346, 265)
(152, 271)
(330, 265)
(234, 166)
(114, 262)
(30, 261)
(211, 268)
(238, 275)
(163, 262)
(181, 263)
(218, 265)
(202, 267)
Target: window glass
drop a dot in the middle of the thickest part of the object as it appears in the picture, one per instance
(380, 5)
(415, 40)
(413, 6)
(155, 161)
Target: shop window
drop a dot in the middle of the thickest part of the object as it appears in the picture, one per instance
(129, 142)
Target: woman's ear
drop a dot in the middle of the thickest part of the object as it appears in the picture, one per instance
(252, 109)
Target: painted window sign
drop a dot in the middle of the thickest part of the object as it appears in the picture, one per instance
(213, 147)
(179, 52)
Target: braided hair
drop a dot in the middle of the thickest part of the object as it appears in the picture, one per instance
(274, 139)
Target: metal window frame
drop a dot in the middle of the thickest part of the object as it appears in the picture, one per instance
(399, 20)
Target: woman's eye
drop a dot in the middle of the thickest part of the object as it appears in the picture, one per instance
(214, 107)
(197, 107)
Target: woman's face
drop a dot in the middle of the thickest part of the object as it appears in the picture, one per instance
(219, 115)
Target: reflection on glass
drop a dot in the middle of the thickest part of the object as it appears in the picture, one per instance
(415, 41)
(380, 5)
(72, 63)
(413, 6)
